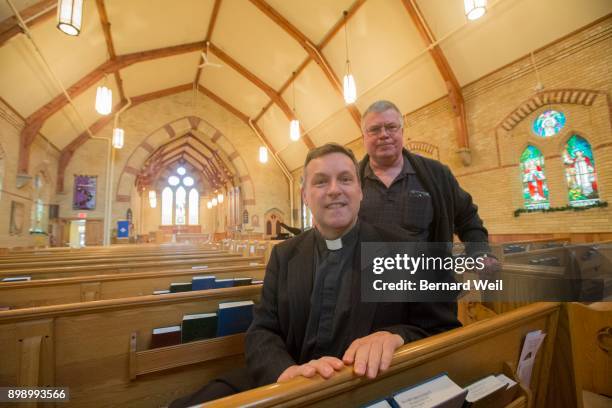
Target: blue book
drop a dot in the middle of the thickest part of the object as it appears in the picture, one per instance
(202, 282)
(176, 287)
(242, 281)
(234, 317)
(224, 283)
(437, 392)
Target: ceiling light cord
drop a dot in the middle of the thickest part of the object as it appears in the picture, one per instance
(58, 83)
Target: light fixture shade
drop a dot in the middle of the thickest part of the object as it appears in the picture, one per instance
(350, 90)
(474, 9)
(104, 100)
(209, 205)
(294, 130)
(214, 201)
(263, 154)
(220, 198)
(118, 136)
(70, 16)
(152, 198)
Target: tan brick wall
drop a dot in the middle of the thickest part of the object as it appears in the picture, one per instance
(580, 61)
(43, 159)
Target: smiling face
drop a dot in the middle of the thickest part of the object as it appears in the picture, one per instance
(333, 193)
(383, 136)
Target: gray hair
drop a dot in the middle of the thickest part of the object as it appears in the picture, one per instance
(379, 107)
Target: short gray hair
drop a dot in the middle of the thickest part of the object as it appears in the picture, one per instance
(379, 107)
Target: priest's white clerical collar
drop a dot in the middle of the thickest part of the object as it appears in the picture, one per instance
(334, 244)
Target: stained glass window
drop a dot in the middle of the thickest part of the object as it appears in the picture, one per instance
(580, 172)
(549, 123)
(194, 206)
(167, 198)
(535, 188)
(181, 203)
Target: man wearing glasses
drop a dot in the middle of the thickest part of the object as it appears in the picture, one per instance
(420, 195)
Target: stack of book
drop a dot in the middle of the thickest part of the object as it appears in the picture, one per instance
(492, 391)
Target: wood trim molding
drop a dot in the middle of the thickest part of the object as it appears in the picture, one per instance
(454, 90)
(209, 32)
(106, 28)
(10, 27)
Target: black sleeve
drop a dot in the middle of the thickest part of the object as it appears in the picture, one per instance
(425, 319)
(266, 354)
(468, 225)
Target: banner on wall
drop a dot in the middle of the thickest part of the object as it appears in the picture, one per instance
(84, 197)
(123, 229)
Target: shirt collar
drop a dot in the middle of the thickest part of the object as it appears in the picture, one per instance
(345, 241)
(406, 168)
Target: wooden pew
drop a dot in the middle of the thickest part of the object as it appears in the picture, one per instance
(111, 259)
(91, 348)
(466, 354)
(148, 266)
(583, 351)
(44, 292)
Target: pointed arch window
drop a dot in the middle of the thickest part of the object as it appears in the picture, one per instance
(167, 199)
(194, 206)
(580, 172)
(535, 187)
(178, 207)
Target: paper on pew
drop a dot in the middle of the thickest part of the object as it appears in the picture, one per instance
(483, 388)
(200, 267)
(533, 341)
(439, 391)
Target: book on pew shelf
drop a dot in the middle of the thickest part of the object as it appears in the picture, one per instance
(254, 263)
(510, 392)
(165, 336)
(242, 281)
(198, 327)
(485, 392)
(203, 282)
(17, 279)
(161, 292)
(176, 287)
(224, 283)
(234, 317)
(383, 403)
(438, 392)
(200, 267)
(256, 282)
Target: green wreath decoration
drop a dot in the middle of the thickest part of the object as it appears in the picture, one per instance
(600, 204)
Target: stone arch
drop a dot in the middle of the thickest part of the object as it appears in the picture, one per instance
(178, 127)
(584, 97)
(272, 219)
(2, 168)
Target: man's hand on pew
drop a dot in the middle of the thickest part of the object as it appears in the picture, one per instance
(492, 267)
(325, 367)
(372, 353)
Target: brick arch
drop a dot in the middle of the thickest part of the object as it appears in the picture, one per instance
(584, 97)
(178, 127)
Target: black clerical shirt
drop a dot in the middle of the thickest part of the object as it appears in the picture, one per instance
(405, 203)
(327, 328)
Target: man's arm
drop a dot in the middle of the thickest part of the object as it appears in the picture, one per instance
(266, 354)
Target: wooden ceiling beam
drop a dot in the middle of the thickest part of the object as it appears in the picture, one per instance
(243, 117)
(32, 15)
(267, 89)
(312, 50)
(106, 28)
(209, 32)
(332, 32)
(454, 89)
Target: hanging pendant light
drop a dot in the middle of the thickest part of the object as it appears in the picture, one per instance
(152, 198)
(104, 99)
(214, 201)
(209, 205)
(349, 88)
(220, 198)
(294, 125)
(474, 9)
(118, 136)
(263, 154)
(70, 16)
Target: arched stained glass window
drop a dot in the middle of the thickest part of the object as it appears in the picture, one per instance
(194, 206)
(549, 123)
(167, 198)
(580, 172)
(181, 203)
(535, 188)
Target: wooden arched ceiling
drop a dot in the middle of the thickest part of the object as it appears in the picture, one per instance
(409, 51)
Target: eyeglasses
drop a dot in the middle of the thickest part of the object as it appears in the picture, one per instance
(391, 128)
